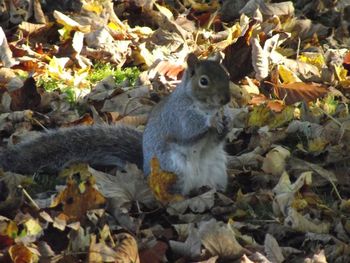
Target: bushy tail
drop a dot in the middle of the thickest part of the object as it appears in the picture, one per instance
(96, 145)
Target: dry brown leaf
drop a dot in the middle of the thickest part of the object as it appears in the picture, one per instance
(250, 159)
(306, 28)
(299, 91)
(27, 97)
(197, 204)
(299, 222)
(38, 12)
(154, 254)
(191, 247)
(275, 161)
(70, 23)
(166, 68)
(126, 249)
(210, 260)
(270, 9)
(273, 250)
(238, 56)
(124, 188)
(11, 196)
(245, 259)
(219, 239)
(319, 257)
(260, 59)
(285, 192)
(5, 52)
(100, 252)
(134, 121)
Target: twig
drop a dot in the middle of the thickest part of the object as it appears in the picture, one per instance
(29, 197)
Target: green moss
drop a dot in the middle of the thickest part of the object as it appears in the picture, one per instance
(97, 73)
(100, 71)
(50, 84)
(103, 70)
(128, 73)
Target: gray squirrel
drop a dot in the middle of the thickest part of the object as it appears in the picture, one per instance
(185, 131)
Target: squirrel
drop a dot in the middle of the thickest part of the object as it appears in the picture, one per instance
(185, 131)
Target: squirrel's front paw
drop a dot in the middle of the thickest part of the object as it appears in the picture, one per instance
(221, 123)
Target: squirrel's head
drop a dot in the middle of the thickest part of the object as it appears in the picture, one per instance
(209, 82)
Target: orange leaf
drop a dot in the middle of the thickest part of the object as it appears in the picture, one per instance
(86, 119)
(346, 61)
(169, 69)
(20, 254)
(160, 182)
(75, 203)
(299, 91)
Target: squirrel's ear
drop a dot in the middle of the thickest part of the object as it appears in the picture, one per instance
(192, 60)
(216, 56)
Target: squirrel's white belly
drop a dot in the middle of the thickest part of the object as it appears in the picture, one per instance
(203, 164)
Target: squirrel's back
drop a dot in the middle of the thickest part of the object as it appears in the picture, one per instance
(97, 145)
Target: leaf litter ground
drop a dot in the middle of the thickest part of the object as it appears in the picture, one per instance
(111, 62)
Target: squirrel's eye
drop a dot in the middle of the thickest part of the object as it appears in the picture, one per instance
(203, 81)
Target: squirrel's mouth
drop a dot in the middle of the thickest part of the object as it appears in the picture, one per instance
(218, 101)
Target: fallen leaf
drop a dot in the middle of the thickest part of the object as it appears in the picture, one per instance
(26, 97)
(273, 250)
(124, 188)
(126, 249)
(275, 161)
(154, 254)
(191, 247)
(238, 56)
(219, 239)
(5, 52)
(298, 222)
(100, 252)
(77, 199)
(20, 253)
(299, 91)
(160, 183)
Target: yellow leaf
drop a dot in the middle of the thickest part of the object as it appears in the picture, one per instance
(33, 227)
(315, 59)
(287, 75)
(56, 69)
(94, 6)
(11, 229)
(115, 26)
(299, 204)
(259, 116)
(160, 182)
(317, 145)
(282, 118)
(341, 73)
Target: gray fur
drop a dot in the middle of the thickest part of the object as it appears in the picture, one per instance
(96, 145)
(179, 133)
